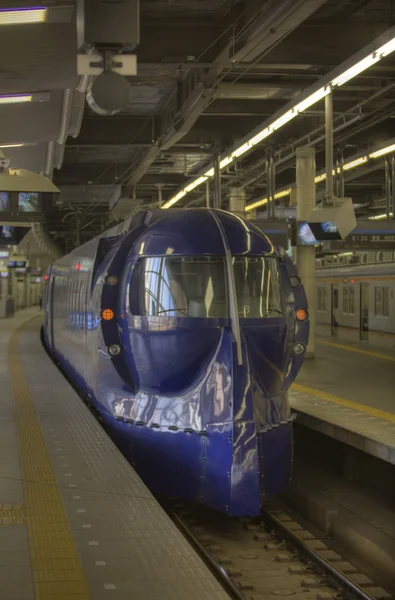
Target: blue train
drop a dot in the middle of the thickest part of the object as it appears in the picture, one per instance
(184, 330)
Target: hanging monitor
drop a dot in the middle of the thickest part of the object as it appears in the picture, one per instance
(334, 221)
(305, 235)
(10, 235)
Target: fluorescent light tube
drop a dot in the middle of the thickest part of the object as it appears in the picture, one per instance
(379, 217)
(382, 151)
(356, 69)
(15, 98)
(23, 16)
(355, 163)
(256, 204)
(11, 145)
(310, 100)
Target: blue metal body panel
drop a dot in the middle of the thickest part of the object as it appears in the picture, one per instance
(193, 421)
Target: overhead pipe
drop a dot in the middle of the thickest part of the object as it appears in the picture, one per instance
(393, 183)
(50, 159)
(66, 114)
(329, 146)
(387, 189)
(217, 181)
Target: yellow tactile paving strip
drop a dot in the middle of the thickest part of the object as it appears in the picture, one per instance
(363, 408)
(56, 568)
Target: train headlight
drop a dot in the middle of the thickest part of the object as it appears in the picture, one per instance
(302, 314)
(295, 281)
(114, 349)
(111, 279)
(299, 349)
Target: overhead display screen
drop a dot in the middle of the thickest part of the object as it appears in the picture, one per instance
(325, 231)
(7, 235)
(305, 235)
(29, 202)
(4, 201)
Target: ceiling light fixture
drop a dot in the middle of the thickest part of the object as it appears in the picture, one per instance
(23, 16)
(382, 151)
(11, 145)
(263, 201)
(379, 217)
(289, 114)
(15, 98)
(355, 163)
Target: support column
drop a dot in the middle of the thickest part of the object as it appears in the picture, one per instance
(329, 147)
(237, 201)
(387, 188)
(305, 256)
(159, 186)
(208, 193)
(217, 182)
(393, 184)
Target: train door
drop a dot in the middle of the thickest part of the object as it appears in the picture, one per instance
(364, 312)
(334, 309)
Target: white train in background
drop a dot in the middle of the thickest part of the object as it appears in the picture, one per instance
(356, 298)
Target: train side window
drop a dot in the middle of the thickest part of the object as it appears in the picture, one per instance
(322, 298)
(385, 302)
(377, 301)
(348, 300)
(345, 300)
(335, 299)
(381, 301)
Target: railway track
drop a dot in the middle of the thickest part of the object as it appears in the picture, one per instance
(272, 556)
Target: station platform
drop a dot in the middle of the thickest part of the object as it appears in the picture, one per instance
(348, 392)
(76, 522)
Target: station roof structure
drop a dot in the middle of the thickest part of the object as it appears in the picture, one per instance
(212, 76)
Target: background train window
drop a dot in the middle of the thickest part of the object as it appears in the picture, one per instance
(322, 301)
(184, 287)
(258, 287)
(381, 301)
(348, 300)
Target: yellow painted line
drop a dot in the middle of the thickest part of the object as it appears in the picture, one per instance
(56, 568)
(358, 350)
(373, 412)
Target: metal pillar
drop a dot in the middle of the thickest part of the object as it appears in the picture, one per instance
(159, 186)
(208, 193)
(217, 181)
(273, 187)
(387, 189)
(270, 184)
(329, 147)
(341, 175)
(237, 201)
(393, 184)
(305, 257)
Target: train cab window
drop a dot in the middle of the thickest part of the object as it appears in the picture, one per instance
(258, 287)
(184, 286)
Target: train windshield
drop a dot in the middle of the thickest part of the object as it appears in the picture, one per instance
(184, 286)
(258, 287)
(196, 286)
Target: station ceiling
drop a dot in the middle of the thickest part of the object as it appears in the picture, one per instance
(209, 73)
